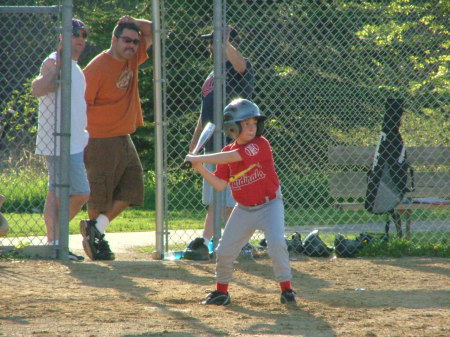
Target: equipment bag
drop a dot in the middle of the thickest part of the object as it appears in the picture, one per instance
(388, 176)
(314, 246)
(344, 247)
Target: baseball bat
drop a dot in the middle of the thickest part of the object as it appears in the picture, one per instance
(206, 134)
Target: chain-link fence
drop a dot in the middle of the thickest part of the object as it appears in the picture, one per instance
(323, 73)
(29, 36)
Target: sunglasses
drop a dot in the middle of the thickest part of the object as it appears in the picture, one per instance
(80, 34)
(126, 39)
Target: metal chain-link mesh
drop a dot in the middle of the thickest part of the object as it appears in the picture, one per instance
(29, 35)
(323, 72)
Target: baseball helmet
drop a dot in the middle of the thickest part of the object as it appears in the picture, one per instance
(238, 110)
(345, 247)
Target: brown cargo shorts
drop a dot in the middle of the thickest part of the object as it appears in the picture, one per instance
(114, 172)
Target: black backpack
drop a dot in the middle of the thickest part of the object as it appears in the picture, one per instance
(344, 247)
(314, 246)
(388, 176)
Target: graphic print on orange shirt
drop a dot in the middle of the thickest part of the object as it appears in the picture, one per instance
(124, 79)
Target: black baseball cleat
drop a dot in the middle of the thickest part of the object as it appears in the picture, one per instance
(217, 298)
(197, 250)
(288, 296)
(94, 243)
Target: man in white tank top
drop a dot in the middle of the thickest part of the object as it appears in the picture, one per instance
(48, 145)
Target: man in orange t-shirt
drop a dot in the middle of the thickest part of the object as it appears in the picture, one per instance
(114, 112)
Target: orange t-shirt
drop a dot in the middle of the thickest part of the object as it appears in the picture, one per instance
(112, 95)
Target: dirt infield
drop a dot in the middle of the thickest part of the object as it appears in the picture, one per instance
(136, 297)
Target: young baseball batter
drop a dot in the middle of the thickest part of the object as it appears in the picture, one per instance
(247, 166)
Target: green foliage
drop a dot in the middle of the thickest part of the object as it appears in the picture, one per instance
(419, 245)
(354, 49)
(25, 188)
(19, 120)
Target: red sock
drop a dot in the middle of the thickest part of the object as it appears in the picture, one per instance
(285, 285)
(222, 287)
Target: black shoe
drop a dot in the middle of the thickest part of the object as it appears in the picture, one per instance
(196, 243)
(94, 243)
(103, 251)
(76, 258)
(197, 250)
(217, 298)
(90, 233)
(288, 296)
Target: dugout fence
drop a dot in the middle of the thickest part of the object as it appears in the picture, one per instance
(323, 71)
(29, 35)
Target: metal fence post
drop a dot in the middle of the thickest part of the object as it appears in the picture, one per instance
(159, 128)
(66, 78)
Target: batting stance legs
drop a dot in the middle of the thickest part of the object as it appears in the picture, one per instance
(240, 227)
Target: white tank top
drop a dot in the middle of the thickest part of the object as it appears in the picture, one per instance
(45, 143)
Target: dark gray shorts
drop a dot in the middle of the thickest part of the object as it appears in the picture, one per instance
(114, 172)
(78, 179)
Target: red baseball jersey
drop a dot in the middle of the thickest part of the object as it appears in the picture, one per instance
(254, 178)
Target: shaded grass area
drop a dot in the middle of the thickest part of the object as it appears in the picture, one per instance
(418, 245)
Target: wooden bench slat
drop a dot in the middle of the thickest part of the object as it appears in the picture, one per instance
(354, 184)
(363, 155)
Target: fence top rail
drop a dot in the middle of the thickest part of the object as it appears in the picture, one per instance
(29, 9)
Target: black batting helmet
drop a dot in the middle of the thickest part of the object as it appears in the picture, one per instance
(238, 110)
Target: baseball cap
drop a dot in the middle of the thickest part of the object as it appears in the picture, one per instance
(77, 25)
(233, 35)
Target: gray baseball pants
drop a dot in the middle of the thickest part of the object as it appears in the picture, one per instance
(241, 225)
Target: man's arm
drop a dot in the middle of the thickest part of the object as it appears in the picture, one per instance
(46, 81)
(236, 58)
(146, 28)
